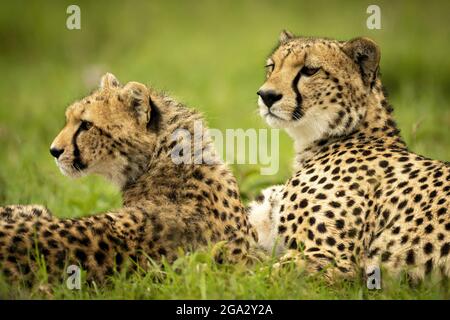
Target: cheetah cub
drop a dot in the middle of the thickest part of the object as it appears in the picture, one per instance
(128, 135)
(359, 199)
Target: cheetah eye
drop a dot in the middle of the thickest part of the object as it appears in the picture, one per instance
(85, 125)
(307, 71)
(270, 66)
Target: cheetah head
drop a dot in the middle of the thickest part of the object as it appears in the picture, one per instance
(108, 132)
(318, 85)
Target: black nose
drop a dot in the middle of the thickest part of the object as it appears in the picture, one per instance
(56, 152)
(269, 97)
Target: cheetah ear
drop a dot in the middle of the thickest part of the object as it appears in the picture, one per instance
(285, 36)
(109, 81)
(137, 97)
(366, 54)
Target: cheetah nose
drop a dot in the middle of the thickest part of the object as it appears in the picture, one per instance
(269, 97)
(56, 152)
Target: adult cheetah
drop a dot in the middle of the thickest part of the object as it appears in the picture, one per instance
(126, 133)
(359, 198)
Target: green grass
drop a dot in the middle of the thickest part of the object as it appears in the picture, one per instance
(209, 55)
(196, 276)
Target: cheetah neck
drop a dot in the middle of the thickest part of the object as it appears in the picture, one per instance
(165, 177)
(376, 126)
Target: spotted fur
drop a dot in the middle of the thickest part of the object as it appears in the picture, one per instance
(125, 134)
(359, 198)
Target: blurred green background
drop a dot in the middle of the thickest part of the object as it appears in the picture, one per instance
(208, 54)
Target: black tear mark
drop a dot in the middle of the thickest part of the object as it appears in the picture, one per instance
(298, 112)
(77, 163)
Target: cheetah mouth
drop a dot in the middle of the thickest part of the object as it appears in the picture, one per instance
(277, 115)
(270, 114)
(281, 121)
(70, 169)
(275, 120)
